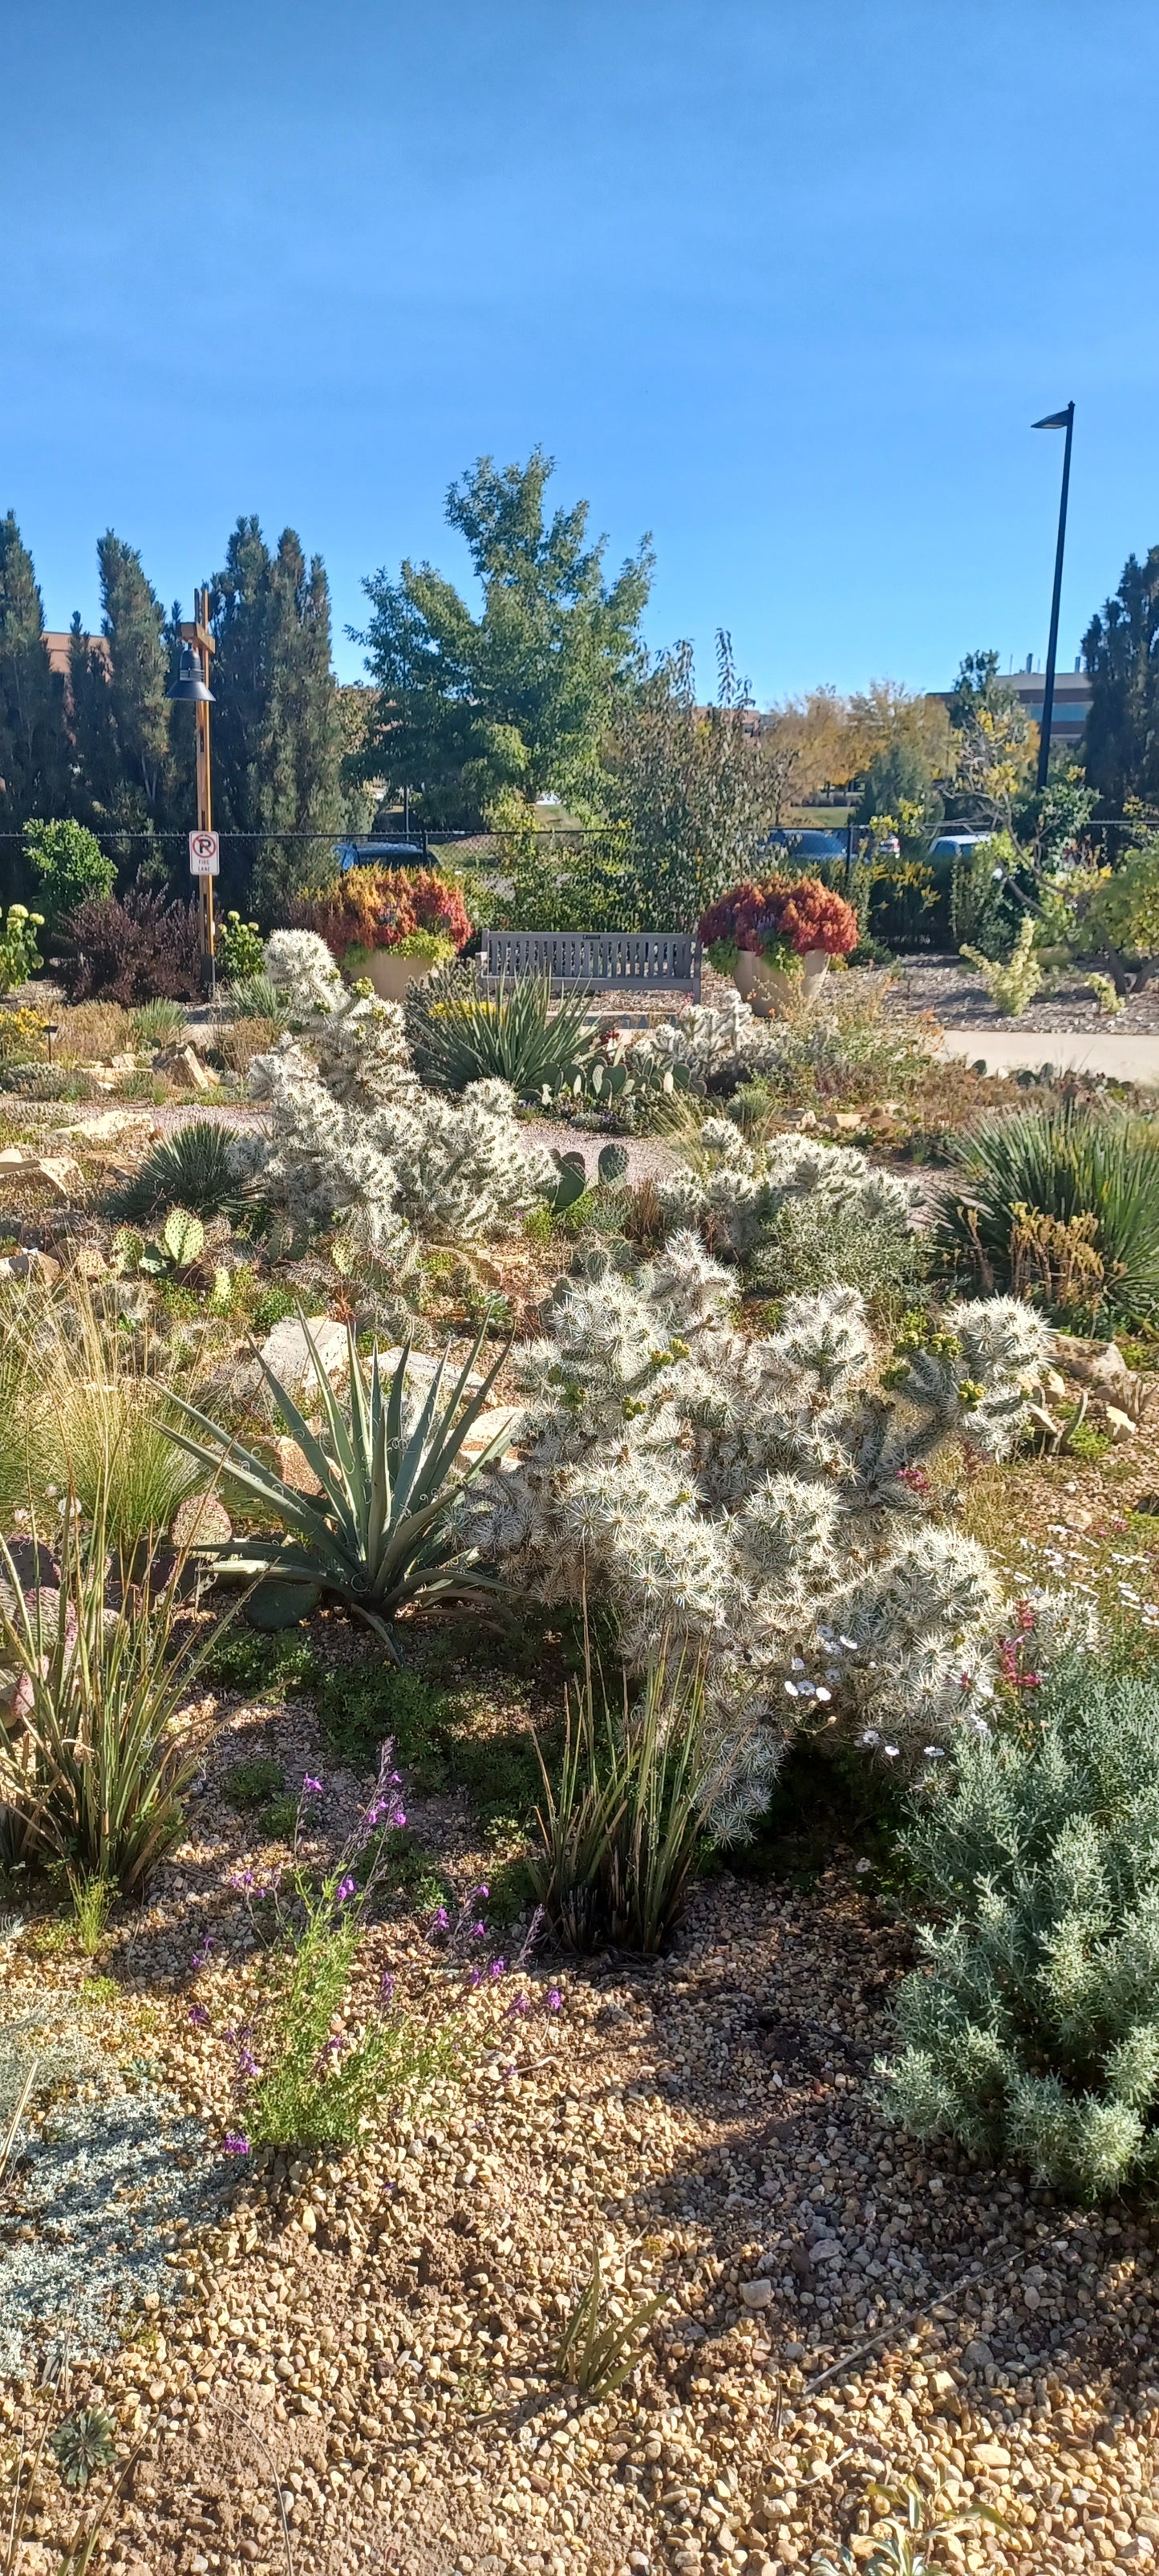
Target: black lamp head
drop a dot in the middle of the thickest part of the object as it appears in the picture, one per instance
(189, 685)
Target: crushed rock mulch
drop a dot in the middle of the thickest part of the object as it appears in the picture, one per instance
(366, 2341)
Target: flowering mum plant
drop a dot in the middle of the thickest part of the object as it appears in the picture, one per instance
(779, 918)
(368, 908)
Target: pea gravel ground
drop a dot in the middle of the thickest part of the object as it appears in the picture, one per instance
(372, 2335)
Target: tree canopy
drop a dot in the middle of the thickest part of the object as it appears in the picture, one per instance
(33, 742)
(1121, 652)
(512, 703)
(277, 744)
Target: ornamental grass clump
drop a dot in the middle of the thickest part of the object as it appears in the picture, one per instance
(382, 1532)
(1031, 2028)
(628, 1814)
(93, 1759)
(1022, 1175)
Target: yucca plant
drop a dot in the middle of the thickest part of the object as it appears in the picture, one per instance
(1025, 1183)
(92, 1768)
(190, 1169)
(596, 2353)
(520, 1036)
(624, 1825)
(380, 1534)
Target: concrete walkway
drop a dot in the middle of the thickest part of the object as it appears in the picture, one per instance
(1124, 1059)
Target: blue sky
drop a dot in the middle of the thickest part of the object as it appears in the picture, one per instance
(783, 281)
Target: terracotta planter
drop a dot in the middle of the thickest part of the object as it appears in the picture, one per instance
(392, 975)
(768, 988)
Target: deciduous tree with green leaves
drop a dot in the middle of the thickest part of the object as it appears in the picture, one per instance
(513, 702)
(688, 785)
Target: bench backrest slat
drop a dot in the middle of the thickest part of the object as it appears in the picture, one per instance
(658, 958)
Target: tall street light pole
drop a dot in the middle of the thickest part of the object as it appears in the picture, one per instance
(192, 687)
(1054, 420)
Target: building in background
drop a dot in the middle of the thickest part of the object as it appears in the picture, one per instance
(1072, 698)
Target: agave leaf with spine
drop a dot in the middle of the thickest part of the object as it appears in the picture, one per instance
(379, 1533)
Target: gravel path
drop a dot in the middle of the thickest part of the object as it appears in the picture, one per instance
(840, 2305)
(958, 999)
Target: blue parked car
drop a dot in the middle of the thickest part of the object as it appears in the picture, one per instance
(810, 847)
(380, 854)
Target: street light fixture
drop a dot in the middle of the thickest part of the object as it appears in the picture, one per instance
(1054, 420)
(191, 688)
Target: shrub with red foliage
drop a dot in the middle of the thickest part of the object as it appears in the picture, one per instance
(378, 907)
(131, 948)
(798, 913)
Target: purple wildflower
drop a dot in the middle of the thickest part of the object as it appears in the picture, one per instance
(440, 1919)
(498, 1967)
(200, 1956)
(247, 2064)
(476, 1978)
(554, 1999)
(199, 2016)
(345, 1890)
(235, 2143)
(478, 1931)
(518, 2004)
(311, 1788)
(386, 1989)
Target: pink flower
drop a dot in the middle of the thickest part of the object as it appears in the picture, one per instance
(235, 2143)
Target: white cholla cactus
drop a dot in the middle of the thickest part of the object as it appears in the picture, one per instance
(301, 966)
(734, 1191)
(748, 1499)
(1002, 1340)
(356, 1141)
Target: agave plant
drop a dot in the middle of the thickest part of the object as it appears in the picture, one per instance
(190, 1169)
(1061, 1205)
(520, 1036)
(380, 1534)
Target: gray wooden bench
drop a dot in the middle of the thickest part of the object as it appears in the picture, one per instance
(642, 962)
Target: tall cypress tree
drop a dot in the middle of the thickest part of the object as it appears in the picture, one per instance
(135, 628)
(276, 734)
(1121, 651)
(34, 777)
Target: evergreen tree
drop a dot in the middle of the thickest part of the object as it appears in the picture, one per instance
(276, 735)
(134, 625)
(33, 744)
(478, 712)
(1121, 652)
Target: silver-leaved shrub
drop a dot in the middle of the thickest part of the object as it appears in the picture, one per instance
(1031, 2028)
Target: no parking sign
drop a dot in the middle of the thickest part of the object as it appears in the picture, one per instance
(203, 854)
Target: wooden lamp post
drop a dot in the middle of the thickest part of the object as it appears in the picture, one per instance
(191, 687)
